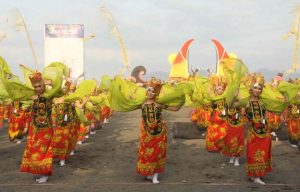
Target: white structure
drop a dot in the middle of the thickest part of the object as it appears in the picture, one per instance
(64, 43)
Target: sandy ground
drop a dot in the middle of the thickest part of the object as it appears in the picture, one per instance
(106, 162)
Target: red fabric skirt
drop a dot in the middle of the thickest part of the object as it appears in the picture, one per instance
(293, 129)
(259, 160)
(216, 132)
(16, 125)
(74, 134)
(61, 142)
(234, 141)
(273, 121)
(81, 132)
(204, 118)
(151, 152)
(37, 157)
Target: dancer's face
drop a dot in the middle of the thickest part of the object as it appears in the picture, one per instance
(151, 93)
(39, 88)
(219, 89)
(257, 90)
(275, 83)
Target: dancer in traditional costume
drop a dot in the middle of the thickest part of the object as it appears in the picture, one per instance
(274, 119)
(259, 161)
(90, 112)
(82, 129)
(293, 124)
(234, 139)
(204, 118)
(81, 134)
(291, 115)
(75, 123)
(63, 122)
(78, 99)
(106, 112)
(37, 158)
(16, 121)
(201, 116)
(216, 131)
(153, 136)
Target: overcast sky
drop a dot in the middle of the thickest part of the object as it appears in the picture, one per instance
(152, 29)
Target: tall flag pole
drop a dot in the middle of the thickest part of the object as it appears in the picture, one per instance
(21, 26)
(115, 31)
(295, 31)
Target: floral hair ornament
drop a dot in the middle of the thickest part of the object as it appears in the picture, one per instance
(156, 84)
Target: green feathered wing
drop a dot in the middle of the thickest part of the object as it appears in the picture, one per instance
(291, 91)
(26, 73)
(234, 70)
(174, 95)
(85, 88)
(126, 95)
(4, 68)
(55, 72)
(273, 99)
(17, 90)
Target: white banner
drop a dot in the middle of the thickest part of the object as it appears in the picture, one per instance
(64, 43)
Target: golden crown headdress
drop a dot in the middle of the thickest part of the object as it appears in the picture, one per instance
(156, 84)
(36, 77)
(258, 79)
(247, 80)
(218, 80)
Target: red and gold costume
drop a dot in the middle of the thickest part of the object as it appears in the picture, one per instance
(75, 122)
(216, 131)
(91, 117)
(6, 110)
(106, 112)
(273, 121)
(81, 132)
(74, 133)
(72, 119)
(274, 118)
(28, 119)
(153, 138)
(204, 117)
(234, 139)
(64, 121)
(259, 143)
(16, 121)
(195, 113)
(293, 123)
(37, 157)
